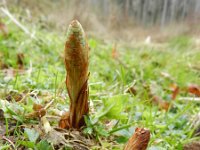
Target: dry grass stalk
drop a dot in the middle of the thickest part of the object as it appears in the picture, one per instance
(76, 63)
(139, 140)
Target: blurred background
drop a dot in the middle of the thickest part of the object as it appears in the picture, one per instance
(129, 20)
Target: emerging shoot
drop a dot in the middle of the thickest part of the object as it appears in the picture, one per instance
(76, 63)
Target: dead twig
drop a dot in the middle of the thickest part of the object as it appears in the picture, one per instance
(8, 140)
(193, 99)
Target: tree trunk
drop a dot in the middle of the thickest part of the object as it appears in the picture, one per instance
(164, 13)
(173, 9)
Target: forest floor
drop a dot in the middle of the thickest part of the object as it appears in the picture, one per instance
(148, 85)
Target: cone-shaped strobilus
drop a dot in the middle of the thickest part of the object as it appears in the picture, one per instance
(76, 63)
(139, 140)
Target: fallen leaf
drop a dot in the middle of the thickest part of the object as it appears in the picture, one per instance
(37, 107)
(3, 29)
(13, 95)
(175, 90)
(64, 121)
(194, 89)
(73, 139)
(131, 90)
(39, 111)
(20, 61)
(192, 146)
(114, 52)
(162, 104)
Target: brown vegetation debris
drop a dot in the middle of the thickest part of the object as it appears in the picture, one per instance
(175, 90)
(64, 121)
(2, 123)
(115, 54)
(13, 95)
(1, 114)
(39, 111)
(72, 139)
(3, 29)
(20, 60)
(194, 89)
(131, 90)
(139, 140)
(2, 64)
(192, 146)
(162, 104)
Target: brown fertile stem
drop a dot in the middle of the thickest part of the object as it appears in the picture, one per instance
(139, 140)
(76, 63)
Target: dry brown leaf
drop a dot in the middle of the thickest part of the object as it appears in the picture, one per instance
(64, 121)
(115, 54)
(39, 111)
(194, 89)
(14, 96)
(139, 140)
(73, 139)
(3, 29)
(162, 104)
(175, 90)
(131, 90)
(20, 61)
(37, 107)
(192, 146)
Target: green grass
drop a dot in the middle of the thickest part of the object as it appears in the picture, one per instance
(108, 82)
